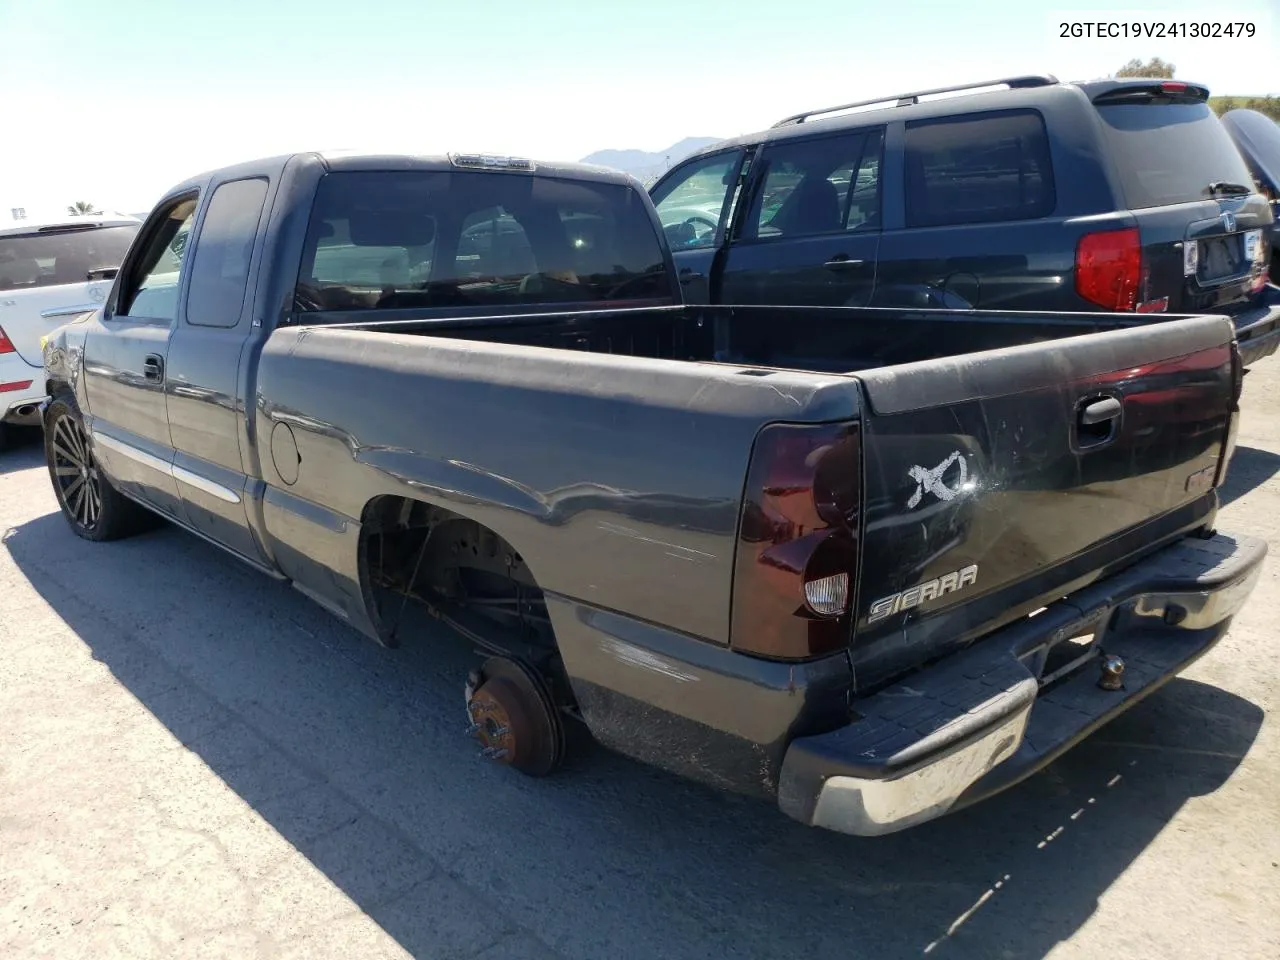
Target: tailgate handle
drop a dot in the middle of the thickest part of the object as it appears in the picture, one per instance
(1100, 411)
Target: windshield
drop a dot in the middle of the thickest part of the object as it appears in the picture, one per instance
(1169, 153)
(61, 256)
(393, 239)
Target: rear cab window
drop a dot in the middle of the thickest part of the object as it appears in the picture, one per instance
(382, 240)
(1168, 152)
(61, 255)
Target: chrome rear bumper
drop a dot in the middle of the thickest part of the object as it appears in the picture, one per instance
(978, 722)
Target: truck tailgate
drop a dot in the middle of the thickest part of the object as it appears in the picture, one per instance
(998, 482)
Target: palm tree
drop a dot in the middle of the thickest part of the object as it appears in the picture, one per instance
(81, 207)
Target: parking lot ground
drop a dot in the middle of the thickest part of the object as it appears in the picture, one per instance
(198, 762)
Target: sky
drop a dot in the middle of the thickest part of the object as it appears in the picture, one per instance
(114, 102)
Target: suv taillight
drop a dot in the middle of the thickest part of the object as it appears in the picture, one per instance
(6, 345)
(1261, 264)
(796, 562)
(1108, 268)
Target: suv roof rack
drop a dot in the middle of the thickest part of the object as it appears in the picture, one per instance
(907, 99)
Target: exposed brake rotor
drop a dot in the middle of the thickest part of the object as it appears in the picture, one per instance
(514, 717)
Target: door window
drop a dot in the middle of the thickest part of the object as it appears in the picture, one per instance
(220, 265)
(691, 201)
(150, 290)
(816, 187)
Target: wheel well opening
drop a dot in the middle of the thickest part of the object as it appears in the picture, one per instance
(417, 558)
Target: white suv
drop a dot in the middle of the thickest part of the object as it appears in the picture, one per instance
(49, 269)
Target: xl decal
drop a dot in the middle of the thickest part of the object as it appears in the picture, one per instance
(930, 480)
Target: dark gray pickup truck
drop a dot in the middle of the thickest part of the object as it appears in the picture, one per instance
(872, 564)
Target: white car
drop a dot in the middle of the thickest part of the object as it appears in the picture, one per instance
(49, 269)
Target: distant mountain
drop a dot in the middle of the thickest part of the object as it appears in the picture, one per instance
(644, 165)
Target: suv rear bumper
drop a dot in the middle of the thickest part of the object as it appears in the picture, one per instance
(1258, 329)
(20, 405)
(978, 722)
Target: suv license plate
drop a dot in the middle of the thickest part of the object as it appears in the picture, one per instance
(1253, 246)
(1223, 258)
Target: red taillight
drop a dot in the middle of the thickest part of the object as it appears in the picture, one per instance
(1108, 268)
(14, 385)
(6, 345)
(1173, 86)
(1261, 263)
(797, 554)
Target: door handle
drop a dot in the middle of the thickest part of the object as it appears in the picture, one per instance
(688, 274)
(153, 368)
(841, 261)
(1100, 411)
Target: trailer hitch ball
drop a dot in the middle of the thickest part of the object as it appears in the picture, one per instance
(1112, 677)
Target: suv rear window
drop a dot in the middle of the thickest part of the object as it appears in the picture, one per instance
(395, 239)
(1169, 153)
(982, 168)
(59, 256)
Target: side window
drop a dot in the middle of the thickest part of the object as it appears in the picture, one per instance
(150, 290)
(738, 189)
(220, 266)
(691, 202)
(978, 169)
(863, 204)
(816, 187)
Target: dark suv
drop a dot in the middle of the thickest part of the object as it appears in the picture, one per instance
(1020, 194)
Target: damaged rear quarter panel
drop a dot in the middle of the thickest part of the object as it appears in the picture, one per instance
(618, 479)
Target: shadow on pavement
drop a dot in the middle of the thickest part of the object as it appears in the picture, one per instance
(23, 449)
(1249, 469)
(357, 757)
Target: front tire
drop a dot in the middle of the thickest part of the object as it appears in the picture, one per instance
(94, 509)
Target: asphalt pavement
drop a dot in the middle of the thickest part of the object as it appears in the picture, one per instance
(196, 761)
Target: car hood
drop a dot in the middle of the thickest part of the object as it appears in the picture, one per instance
(1257, 136)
